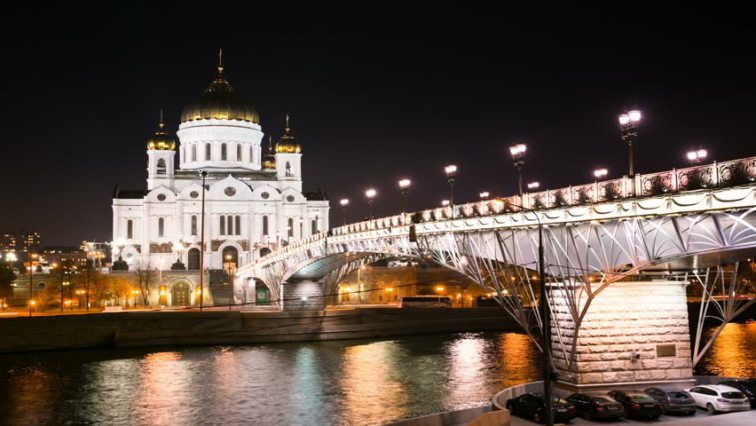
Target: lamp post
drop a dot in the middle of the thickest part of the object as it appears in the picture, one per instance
(533, 185)
(203, 175)
(451, 176)
(230, 266)
(545, 322)
(404, 185)
(31, 279)
(484, 195)
(518, 157)
(600, 173)
(697, 155)
(370, 194)
(628, 122)
(344, 203)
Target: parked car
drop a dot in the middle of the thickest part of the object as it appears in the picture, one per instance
(748, 387)
(719, 398)
(596, 406)
(530, 406)
(674, 401)
(638, 404)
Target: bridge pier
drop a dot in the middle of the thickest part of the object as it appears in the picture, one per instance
(634, 335)
(303, 295)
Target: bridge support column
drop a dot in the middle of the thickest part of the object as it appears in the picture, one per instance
(634, 335)
(303, 295)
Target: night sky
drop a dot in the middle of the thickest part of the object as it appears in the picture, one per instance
(375, 92)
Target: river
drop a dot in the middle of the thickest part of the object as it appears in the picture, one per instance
(362, 382)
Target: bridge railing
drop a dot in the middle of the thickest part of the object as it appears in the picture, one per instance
(714, 175)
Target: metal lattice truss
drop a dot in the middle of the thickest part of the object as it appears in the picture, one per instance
(587, 248)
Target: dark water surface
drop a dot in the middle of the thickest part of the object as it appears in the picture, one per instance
(362, 382)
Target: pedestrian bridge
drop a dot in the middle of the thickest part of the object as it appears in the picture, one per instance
(694, 224)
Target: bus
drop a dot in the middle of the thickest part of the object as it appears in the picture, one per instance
(425, 302)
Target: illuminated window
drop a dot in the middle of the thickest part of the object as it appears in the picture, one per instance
(224, 153)
(194, 225)
(161, 227)
(129, 229)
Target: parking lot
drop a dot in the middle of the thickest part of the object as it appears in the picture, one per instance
(702, 418)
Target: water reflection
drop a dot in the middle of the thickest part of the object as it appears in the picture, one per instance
(342, 383)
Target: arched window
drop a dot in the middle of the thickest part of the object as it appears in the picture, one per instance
(161, 166)
(288, 169)
(129, 229)
(291, 227)
(194, 152)
(230, 224)
(251, 154)
(238, 225)
(224, 154)
(238, 152)
(314, 229)
(161, 227)
(265, 225)
(222, 225)
(194, 225)
(207, 152)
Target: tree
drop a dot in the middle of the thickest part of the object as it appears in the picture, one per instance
(7, 277)
(144, 281)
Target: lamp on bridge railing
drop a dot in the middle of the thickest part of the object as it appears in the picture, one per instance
(451, 175)
(370, 194)
(696, 156)
(533, 185)
(484, 195)
(600, 173)
(518, 156)
(628, 122)
(404, 185)
(445, 203)
(344, 203)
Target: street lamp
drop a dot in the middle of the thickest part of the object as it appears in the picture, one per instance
(534, 185)
(518, 157)
(600, 173)
(370, 194)
(203, 175)
(628, 122)
(230, 266)
(31, 278)
(445, 203)
(451, 175)
(484, 195)
(404, 185)
(344, 203)
(696, 156)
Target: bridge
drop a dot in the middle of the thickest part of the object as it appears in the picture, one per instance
(663, 231)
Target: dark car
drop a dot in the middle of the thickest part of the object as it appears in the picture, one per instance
(530, 406)
(596, 406)
(638, 404)
(673, 401)
(748, 387)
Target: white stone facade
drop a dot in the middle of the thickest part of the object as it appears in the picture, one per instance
(624, 336)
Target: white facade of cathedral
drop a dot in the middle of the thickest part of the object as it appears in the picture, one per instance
(253, 199)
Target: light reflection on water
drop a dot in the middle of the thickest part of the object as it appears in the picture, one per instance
(733, 353)
(343, 382)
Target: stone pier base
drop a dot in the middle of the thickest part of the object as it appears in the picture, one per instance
(635, 335)
(303, 295)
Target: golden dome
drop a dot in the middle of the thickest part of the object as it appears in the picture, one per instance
(269, 160)
(287, 144)
(220, 102)
(161, 139)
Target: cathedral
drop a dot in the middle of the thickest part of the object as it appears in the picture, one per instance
(252, 199)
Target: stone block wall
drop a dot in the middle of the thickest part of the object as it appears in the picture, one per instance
(619, 336)
(303, 295)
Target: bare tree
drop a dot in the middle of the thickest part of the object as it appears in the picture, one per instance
(145, 282)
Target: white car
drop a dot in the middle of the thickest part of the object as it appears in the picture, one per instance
(718, 398)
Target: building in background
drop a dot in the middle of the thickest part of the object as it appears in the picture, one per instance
(20, 242)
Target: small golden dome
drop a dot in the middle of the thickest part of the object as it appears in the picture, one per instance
(220, 102)
(161, 139)
(288, 144)
(269, 160)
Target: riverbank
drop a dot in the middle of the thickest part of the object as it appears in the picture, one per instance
(144, 329)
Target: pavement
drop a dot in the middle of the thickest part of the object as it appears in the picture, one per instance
(702, 418)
